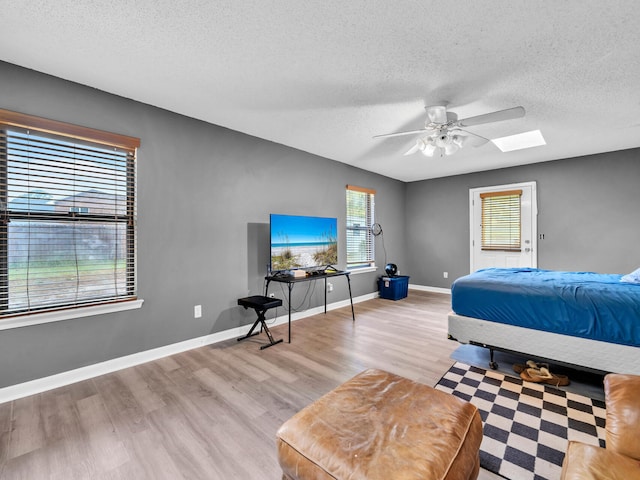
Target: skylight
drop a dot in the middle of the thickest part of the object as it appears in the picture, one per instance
(520, 141)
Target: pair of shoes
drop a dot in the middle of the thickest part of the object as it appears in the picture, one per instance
(543, 375)
(519, 368)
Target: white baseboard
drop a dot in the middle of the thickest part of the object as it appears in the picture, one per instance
(430, 289)
(40, 385)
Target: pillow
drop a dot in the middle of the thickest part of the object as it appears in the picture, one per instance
(633, 277)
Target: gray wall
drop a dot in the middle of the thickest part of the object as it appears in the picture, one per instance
(588, 211)
(204, 198)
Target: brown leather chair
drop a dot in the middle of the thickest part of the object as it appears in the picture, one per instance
(621, 457)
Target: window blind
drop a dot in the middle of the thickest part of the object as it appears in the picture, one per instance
(360, 217)
(68, 219)
(501, 220)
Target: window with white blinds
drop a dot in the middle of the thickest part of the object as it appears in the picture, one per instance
(68, 216)
(501, 220)
(360, 217)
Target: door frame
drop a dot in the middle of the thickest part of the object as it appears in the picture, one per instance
(534, 217)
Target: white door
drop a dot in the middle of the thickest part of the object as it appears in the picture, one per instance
(526, 255)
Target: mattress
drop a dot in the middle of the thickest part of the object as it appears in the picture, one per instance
(582, 304)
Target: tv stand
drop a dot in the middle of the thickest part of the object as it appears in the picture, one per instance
(290, 280)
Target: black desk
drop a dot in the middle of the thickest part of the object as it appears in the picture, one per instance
(291, 281)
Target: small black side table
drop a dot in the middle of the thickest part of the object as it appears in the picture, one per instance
(260, 304)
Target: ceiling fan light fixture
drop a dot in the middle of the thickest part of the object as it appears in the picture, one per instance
(450, 148)
(428, 150)
(443, 140)
(460, 140)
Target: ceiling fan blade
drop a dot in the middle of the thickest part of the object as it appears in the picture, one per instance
(499, 116)
(415, 148)
(437, 114)
(475, 140)
(398, 134)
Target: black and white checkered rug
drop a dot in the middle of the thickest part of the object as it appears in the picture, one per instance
(527, 426)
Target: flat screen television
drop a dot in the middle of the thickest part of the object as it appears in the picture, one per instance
(302, 242)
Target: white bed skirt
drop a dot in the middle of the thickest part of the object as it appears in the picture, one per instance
(563, 349)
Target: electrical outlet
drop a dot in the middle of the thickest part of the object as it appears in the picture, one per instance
(329, 287)
(197, 311)
(445, 274)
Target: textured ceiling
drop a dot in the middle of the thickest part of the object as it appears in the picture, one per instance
(325, 76)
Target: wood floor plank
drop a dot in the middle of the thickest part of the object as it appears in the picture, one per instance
(187, 446)
(62, 429)
(230, 393)
(32, 464)
(104, 444)
(124, 410)
(205, 414)
(212, 412)
(151, 454)
(5, 431)
(28, 432)
(168, 364)
(254, 360)
(145, 397)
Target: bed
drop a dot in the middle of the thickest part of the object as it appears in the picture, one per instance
(580, 319)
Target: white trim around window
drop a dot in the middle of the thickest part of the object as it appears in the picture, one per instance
(68, 314)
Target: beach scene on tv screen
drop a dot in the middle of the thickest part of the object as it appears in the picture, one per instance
(303, 242)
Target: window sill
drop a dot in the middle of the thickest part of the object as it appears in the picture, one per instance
(356, 271)
(48, 317)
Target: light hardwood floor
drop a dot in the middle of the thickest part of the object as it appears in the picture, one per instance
(212, 412)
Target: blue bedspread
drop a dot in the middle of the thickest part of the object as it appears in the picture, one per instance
(581, 304)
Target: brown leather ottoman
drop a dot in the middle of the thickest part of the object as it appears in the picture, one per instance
(381, 426)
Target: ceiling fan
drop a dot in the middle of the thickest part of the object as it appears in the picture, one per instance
(443, 132)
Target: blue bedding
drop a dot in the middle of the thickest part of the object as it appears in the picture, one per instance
(582, 304)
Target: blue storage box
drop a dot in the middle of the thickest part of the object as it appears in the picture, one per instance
(393, 288)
